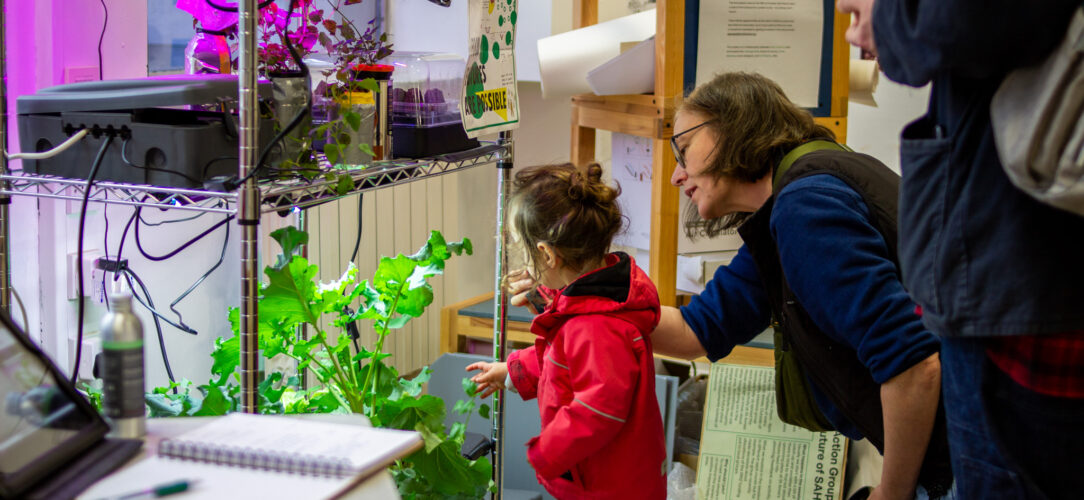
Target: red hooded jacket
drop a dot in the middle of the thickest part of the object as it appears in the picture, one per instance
(592, 371)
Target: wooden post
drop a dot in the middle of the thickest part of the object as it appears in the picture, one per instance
(665, 199)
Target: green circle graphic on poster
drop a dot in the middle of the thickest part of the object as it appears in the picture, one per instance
(512, 18)
(483, 54)
(496, 50)
(508, 39)
(474, 85)
(500, 20)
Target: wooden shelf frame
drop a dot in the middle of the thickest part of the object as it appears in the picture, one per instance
(652, 116)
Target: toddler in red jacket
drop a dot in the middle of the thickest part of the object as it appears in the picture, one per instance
(591, 367)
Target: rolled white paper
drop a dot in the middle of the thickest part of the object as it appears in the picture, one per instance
(565, 59)
(863, 78)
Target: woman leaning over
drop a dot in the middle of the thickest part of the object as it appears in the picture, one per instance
(818, 260)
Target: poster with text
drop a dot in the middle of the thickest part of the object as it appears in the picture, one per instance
(490, 102)
(747, 453)
(780, 39)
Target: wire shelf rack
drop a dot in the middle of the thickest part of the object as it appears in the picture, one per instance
(276, 195)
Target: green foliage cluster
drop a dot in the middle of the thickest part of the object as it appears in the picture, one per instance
(346, 382)
(351, 49)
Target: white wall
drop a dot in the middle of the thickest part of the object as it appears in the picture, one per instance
(44, 39)
(875, 130)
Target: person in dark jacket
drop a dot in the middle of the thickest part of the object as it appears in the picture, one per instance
(998, 274)
(591, 367)
(818, 257)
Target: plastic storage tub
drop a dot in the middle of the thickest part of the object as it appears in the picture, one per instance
(425, 101)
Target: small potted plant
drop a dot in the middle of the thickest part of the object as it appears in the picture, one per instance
(347, 96)
(353, 89)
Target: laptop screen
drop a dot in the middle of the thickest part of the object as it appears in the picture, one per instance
(43, 420)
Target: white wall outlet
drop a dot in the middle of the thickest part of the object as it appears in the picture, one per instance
(97, 286)
(88, 273)
(76, 74)
(92, 346)
(116, 286)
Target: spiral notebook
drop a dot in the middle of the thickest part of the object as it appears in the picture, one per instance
(252, 456)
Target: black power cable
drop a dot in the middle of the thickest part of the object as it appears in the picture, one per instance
(221, 258)
(357, 241)
(79, 254)
(137, 218)
(159, 258)
(129, 274)
(101, 38)
(124, 157)
(105, 246)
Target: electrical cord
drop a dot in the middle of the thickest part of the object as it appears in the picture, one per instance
(353, 257)
(213, 161)
(174, 221)
(105, 247)
(129, 274)
(101, 38)
(79, 254)
(60, 148)
(357, 241)
(123, 237)
(124, 157)
(221, 258)
(159, 258)
(123, 265)
(22, 308)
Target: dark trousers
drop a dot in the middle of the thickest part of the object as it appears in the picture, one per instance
(1006, 440)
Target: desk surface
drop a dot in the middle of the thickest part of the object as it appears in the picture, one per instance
(484, 309)
(378, 487)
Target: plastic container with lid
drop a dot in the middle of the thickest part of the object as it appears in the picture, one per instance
(427, 88)
(425, 97)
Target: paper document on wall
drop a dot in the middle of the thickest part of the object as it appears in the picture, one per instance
(746, 452)
(490, 100)
(778, 39)
(631, 171)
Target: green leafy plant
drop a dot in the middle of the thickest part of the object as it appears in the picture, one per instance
(352, 51)
(347, 382)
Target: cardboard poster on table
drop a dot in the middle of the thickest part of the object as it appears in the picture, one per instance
(490, 101)
(746, 452)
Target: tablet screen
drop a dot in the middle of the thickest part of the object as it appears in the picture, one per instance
(38, 411)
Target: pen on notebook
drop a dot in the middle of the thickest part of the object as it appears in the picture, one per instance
(160, 490)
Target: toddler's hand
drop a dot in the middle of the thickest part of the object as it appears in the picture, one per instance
(524, 291)
(491, 378)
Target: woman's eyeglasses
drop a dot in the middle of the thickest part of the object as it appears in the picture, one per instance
(678, 154)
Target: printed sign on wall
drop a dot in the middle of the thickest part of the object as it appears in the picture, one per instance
(490, 101)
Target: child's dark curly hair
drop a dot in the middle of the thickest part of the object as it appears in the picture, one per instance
(574, 212)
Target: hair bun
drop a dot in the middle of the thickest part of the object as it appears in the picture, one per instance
(576, 192)
(594, 172)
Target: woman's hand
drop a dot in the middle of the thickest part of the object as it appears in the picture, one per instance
(492, 377)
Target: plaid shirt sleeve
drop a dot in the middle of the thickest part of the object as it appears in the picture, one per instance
(1048, 364)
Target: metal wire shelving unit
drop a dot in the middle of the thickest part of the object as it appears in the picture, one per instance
(256, 197)
(275, 195)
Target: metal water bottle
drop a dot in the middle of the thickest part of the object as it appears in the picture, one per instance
(122, 376)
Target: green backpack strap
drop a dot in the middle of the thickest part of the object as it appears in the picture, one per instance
(794, 400)
(793, 155)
